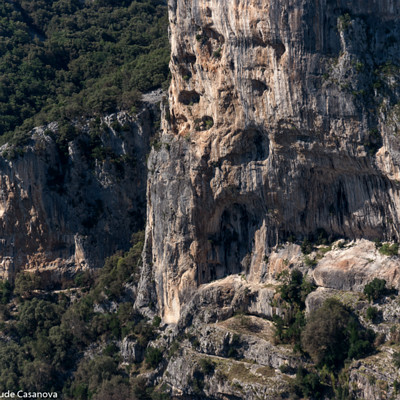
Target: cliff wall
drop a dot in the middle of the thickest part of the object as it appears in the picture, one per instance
(282, 122)
(67, 204)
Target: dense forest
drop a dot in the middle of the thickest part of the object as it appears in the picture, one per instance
(63, 60)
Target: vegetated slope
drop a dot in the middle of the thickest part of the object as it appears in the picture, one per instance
(66, 59)
(86, 341)
(75, 341)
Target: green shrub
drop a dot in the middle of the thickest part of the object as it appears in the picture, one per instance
(25, 284)
(83, 279)
(375, 289)
(396, 386)
(209, 123)
(217, 53)
(308, 384)
(344, 22)
(293, 293)
(156, 321)
(197, 382)
(310, 262)
(116, 387)
(394, 336)
(235, 344)
(388, 249)
(207, 366)
(295, 288)
(5, 292)
(120, 268)
(285, 369)
(110, 350)
(153, 357)
(306, 247)
(372, 313)
(371, 380)
(48, 334)
(116, 126)
(91, 374)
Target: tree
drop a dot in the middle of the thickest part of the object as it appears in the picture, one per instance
(153, 357)
(324, 336)
(308, 384)
(333, 334)
(25, 284)
(295, 288)
(5, 292)
(372, 314)
(375, 289)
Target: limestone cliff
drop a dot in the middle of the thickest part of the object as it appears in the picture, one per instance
(282, 122)
(66, 205)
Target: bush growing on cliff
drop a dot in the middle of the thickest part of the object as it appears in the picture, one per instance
(388, 249)
(344, 21)
(153, 357)
(119, 269)
(308, 384)
(91, 374)
(207, 366)
(306, 247)
(197, 383)
(333, 334)
(83, 279)
(375, 289)
(217, 53)
(292, 292)
(295, 288)
(116, 388)
(372, 314)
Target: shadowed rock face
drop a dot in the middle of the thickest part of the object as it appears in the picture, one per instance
(65, 210)
(301, 99)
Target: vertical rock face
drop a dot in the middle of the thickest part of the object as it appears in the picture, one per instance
(67, 207)
(283, 120)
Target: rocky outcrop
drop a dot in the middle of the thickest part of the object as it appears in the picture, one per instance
(220, 300)
(228, 379)
(282, 123)
(131, 351)
(352, 267)
(374, 377)
(69, 200)
(233, 359)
